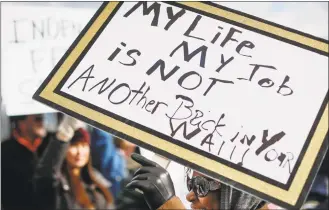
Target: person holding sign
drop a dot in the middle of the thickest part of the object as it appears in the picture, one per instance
(64, 178)
(204, 193)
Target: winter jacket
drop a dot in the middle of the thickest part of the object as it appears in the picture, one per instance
(17, 168)
(52, 186)
(107, 159)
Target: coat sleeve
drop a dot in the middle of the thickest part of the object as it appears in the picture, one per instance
(107, 160)
(16, 183)
(46, 178)
(173, 203)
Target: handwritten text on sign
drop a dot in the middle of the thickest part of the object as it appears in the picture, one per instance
(228, 91)
(35, 39)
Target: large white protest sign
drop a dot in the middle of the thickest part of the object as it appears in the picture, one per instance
(238, 98)
(34, 40)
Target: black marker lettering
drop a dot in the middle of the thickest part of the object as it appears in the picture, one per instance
(214, 80)
(157, 105)
(192, 27)
(207, 140)
(90, 69)
(266, 143)
(197, 116)
(184, 98)
(144, 97)
(186, 75)
(229, 36)
(149, 104)
(232, 152)
(249, 141)
(116, 52)
(268, 158)
(242, 159)
(173, 17)
(137, 92)
(117, 88)
(266, 82)
(220, 148)
(155, 7)
(256, 67)
(206, 122)
(162, 65)
(129, 53)
(243, 44)
(103, 82)
(288, 161)
(216, 36)
(188, 56)
(283, 85)
(236, 135)
(224, 62)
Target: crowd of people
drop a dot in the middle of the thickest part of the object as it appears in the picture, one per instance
(76, 167)
(80, 167)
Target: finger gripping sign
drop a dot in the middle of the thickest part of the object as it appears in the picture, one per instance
(238, 98)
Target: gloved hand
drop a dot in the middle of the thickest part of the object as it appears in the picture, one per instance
(154, 181)
(67, 128)
(131, 199)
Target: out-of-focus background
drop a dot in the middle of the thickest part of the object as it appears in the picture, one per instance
(34, 36)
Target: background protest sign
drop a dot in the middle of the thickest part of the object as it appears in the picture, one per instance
(35, 39)
(233, 96)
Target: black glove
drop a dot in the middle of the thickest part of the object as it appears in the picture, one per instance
(131, 199)
(154, 181)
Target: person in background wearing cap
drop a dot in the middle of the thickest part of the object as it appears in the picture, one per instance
(19, 156)
(64, 178)
(204, 193)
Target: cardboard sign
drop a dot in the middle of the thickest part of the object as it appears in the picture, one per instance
(35, 39)
(238, 98)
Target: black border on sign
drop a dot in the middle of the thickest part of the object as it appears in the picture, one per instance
(317, 162)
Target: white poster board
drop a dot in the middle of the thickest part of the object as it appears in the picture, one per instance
(238, 98)
(32, 42)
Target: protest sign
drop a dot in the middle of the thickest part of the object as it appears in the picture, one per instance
(35, 39)
(233, 96)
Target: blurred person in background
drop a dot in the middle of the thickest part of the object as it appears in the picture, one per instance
(108, 159)
(64, 177)
(204, 193)
(126, 149)
(19, 156)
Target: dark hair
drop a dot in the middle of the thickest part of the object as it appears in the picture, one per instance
(117, 142)
(18, 117)
(15, 119)
(86, 174)
(80, 135)
(89, 178)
